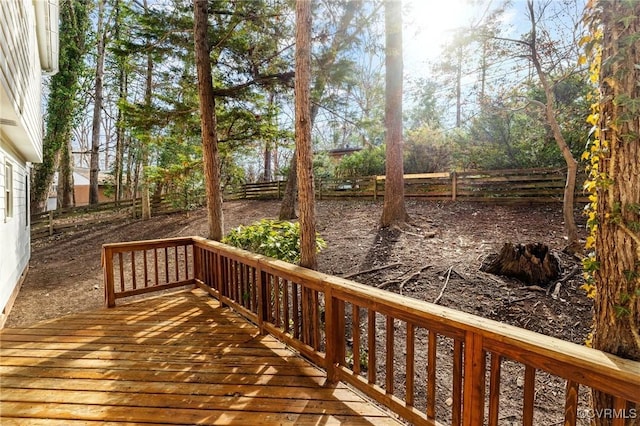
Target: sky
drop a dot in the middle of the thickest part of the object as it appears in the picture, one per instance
(428, 25)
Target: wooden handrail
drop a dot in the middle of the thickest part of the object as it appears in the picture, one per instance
(158, 265)
(324, 318)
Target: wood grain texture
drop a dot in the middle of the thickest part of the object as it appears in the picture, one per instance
(177, 358)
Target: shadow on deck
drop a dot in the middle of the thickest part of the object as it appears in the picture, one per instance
(178, 358)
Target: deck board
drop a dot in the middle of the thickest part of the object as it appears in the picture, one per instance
(175, 359)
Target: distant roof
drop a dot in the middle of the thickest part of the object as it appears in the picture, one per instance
(344, 151)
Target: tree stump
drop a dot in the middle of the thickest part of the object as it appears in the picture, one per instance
(531, 263)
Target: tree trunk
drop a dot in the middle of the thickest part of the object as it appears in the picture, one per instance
(62, 99)
(145, 196)
(267, 176)
(122, 94)
(393, 211)
(94, 167)
(208, 121)
(459, 88)
(65, 194)
(572, 165)
(287, 207)
(617, 299)
(306, 196)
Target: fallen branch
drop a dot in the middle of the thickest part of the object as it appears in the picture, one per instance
(556, 291)
(520, 299)
(444, 286)
(558, 284)
(403, 282)
(533, 288)
(379, 268)
(412, 276)
(494, 278)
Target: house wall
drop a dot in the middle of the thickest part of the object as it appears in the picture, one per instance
(28, 44)
(15, 247)
(20, 78)
(81, 194)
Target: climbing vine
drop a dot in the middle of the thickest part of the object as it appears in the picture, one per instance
(592, 44)
(612, 267)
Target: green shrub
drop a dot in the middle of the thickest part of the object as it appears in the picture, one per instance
(273, 238)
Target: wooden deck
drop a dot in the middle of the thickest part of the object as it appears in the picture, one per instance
(173, 359)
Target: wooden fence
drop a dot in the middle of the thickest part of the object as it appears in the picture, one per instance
(491, 368)
(518, 185)
(56, 221)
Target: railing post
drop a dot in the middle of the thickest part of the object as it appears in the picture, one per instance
(335, 335)
(107, 265)
(474, 372)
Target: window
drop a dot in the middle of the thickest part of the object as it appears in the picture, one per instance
(8, 190)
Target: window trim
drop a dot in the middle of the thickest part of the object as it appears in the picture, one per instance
(8, 191)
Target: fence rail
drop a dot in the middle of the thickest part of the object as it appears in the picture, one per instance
(518, 185)
(337, 324)
(53, 221)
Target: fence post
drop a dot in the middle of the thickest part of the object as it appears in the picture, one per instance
(244, 186)
(454, 185)
(279, 190)
(474, 378)
(50, 222)
(375, 188)
(107, 267)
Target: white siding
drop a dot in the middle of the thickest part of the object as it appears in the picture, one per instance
(20, 78)
(14, 231)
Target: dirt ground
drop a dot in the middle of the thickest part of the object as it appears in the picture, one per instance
(447, 244)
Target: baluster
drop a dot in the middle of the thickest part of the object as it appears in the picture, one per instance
(457, 383)
(570, 404)
(431, 374)
(285, 305)
(389, 355)
(371, 340)
(529, 395)
(410, 363)
(133, 269)
(494, 389)
(296, 310)
(146, 273)
(121, 266)
(355, 333)
(155, 266)
(176, 263)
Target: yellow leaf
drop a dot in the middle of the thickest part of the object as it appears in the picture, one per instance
(582, 60)
(584, 40)
(585, 155)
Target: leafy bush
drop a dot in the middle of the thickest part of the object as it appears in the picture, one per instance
(368, 162)
(277, 239)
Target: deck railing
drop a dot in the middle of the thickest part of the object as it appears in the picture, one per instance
(455, 368)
